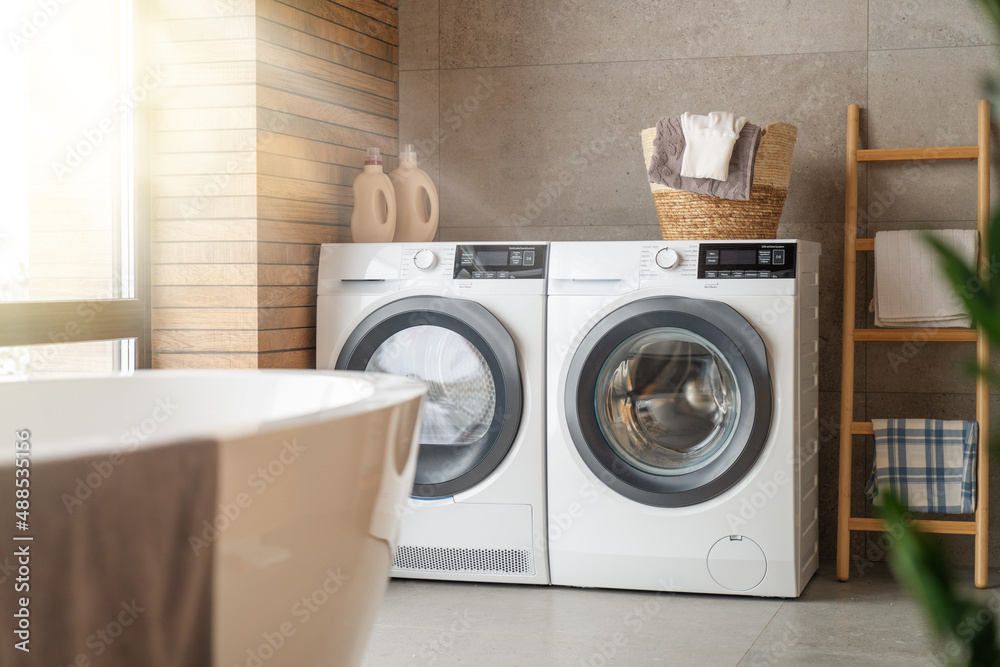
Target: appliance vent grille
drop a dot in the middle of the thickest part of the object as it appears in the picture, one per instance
(439, 559)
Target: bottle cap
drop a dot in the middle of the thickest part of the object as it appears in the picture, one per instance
(408, 153)
(373, 157)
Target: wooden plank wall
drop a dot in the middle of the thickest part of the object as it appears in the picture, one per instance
(204, 185)
(256, 141)
(327, 88)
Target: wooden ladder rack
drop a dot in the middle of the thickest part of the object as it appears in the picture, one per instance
(848, 427)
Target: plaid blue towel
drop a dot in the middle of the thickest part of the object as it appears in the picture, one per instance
(930, 463)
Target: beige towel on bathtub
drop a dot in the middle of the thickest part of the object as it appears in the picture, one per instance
(114, 581)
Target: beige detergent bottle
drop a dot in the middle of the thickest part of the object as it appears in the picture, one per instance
(416, 200)
(374, 216)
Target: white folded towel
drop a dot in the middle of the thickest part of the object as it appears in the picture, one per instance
(911, 289)
(708, 143)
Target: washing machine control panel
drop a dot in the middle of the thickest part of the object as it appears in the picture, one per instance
(743, 261)
(424, 259)
(667, 259)
(499, 262)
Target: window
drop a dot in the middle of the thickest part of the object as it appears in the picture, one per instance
(74, 230)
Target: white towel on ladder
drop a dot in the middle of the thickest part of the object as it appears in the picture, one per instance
(911, 289)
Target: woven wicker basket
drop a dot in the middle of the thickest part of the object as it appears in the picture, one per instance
(686, 215)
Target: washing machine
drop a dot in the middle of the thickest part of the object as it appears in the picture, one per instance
(683, 420)
(469, 320)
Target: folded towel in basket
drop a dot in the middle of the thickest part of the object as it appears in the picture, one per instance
(910, 289)
(708, 143)
(668, 150)
(929, 463)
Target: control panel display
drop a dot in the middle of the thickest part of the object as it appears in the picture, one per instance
(499, 262)
(741, 261)
(492, 257)
(730, 256)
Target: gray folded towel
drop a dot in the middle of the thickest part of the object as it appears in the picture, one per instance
(668, 150)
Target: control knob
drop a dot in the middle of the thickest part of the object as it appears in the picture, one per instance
(424, 259)
(667, 258)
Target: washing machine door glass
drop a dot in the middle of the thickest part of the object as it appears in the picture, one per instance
(461, 393)
(667, 401)
(473, 408)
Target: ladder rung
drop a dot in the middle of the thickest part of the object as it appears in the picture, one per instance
(864, 245)
(926, 525)
(896, 154)
(922, 335)
(862, 428)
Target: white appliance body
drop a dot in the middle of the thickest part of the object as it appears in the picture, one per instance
(469, 319)
(633, 326)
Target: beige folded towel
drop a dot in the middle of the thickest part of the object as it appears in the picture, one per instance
(911, 290)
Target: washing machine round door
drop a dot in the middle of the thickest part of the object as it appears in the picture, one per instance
(668, 400)
(469, 362)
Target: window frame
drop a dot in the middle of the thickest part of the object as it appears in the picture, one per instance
(25, 323)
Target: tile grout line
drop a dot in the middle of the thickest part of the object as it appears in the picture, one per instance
(661, 60)
(440, 162)
(867, 283)
(761, 633)
(867, 51)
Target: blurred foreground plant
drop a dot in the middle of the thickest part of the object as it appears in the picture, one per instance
(966, 627)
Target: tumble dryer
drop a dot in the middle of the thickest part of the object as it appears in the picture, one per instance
(683, 420)
(469, 320)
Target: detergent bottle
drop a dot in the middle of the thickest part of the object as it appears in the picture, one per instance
(374, 216)
(416, 200)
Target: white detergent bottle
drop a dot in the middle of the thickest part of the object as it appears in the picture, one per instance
(416, 200)
(374, 216)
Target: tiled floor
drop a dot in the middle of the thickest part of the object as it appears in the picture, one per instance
(866, 621)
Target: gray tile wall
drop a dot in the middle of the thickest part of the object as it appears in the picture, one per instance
(527, 114)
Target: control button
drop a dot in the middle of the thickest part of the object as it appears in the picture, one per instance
(464, 274)
(711, 253)
(711, 261)
(515, 259)
(489, 274)
(778, 256)
(749, 274)
(503, 274)
(737, 274)
(477, 274)
(529, 257)
(764, 257)
(725, 274)
(763, 274)
(466, 258)
(424, 259)
(711, 274)
(667, 258)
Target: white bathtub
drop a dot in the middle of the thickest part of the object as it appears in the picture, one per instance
(301, 473)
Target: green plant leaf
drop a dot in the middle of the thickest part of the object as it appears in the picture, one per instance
(993, 9)
(993, 243)
(919, 563)
(974, 294)
(975, 370)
